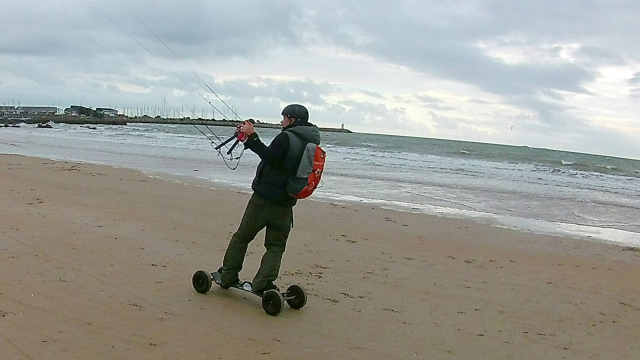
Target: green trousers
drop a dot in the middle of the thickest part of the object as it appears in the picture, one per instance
(259, 214)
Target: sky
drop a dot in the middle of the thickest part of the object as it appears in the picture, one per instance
(549, 74)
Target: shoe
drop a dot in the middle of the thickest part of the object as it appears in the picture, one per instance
(270, 286)
(226, 283)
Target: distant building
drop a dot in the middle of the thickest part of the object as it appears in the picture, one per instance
(75, 110)
(4, 110)
(10, 112)
(39, 110)
(107, 111)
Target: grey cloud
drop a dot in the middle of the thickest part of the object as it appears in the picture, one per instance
(303, 92)
(432, 102)
(442, 41)
(236, 29)
(552, 94)
(467, 64)
(634, 83)
(288, 91)
(434, 48)
(600, 56)
(372, 94)
(448, 123)
(548, 117)
(426, 99)
(367, 113)
(247, 93)
(441, 107)
(596, 23)
(192, 29)
(403, 99)
(245, 29)
(555, 51)
(421, 99)
(480, 101)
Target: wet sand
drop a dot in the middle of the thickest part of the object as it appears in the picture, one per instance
(96, 262)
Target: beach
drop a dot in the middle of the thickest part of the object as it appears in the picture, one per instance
(96, 262)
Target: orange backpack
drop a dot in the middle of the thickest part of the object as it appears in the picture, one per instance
(309, 172)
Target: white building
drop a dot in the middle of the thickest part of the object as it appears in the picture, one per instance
(107, 111)
(10, 112)
(39, 110)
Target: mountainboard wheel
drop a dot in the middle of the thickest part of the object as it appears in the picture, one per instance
(202, 281)
(272, 302)
(296, 296)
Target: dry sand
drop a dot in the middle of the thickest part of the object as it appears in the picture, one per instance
(96, 263)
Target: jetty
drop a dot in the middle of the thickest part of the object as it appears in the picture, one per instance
(124, 120)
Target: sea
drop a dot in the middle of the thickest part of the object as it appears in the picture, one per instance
(584, 196)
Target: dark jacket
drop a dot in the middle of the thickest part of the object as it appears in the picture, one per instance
(278, 162)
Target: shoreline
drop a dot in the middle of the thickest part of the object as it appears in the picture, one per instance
(97, 260)
(540, 227)
(611, 236)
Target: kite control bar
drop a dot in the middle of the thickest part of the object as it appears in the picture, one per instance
(237, 136)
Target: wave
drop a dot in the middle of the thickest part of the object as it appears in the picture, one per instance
(363, 161)
(579, 168)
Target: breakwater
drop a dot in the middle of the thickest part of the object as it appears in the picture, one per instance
(124, 120)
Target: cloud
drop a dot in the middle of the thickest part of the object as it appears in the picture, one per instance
(431, 45)
(368, 113)
(192, 29)
(548, 116)
(552, 94)
(289, 91)
(365, 116)
(634, 84)
(434, 47)
(595, 55)
(431, 102)
(479, 101)
(448, 124)
(372, 94)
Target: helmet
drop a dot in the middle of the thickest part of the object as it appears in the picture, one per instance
(296, 111)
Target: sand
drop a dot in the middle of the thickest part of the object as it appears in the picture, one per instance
(96, 263)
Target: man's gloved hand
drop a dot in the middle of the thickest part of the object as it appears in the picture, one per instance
(247, 128)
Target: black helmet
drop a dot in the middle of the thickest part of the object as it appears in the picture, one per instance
(296, 111)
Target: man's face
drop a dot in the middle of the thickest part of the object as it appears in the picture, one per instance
(286, 121)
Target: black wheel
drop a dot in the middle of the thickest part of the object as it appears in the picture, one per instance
(202, 281)
(272, 302)
(298, 296)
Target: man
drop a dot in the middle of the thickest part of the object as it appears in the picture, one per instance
(270, 206)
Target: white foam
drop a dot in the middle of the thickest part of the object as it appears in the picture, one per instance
(608, 235)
